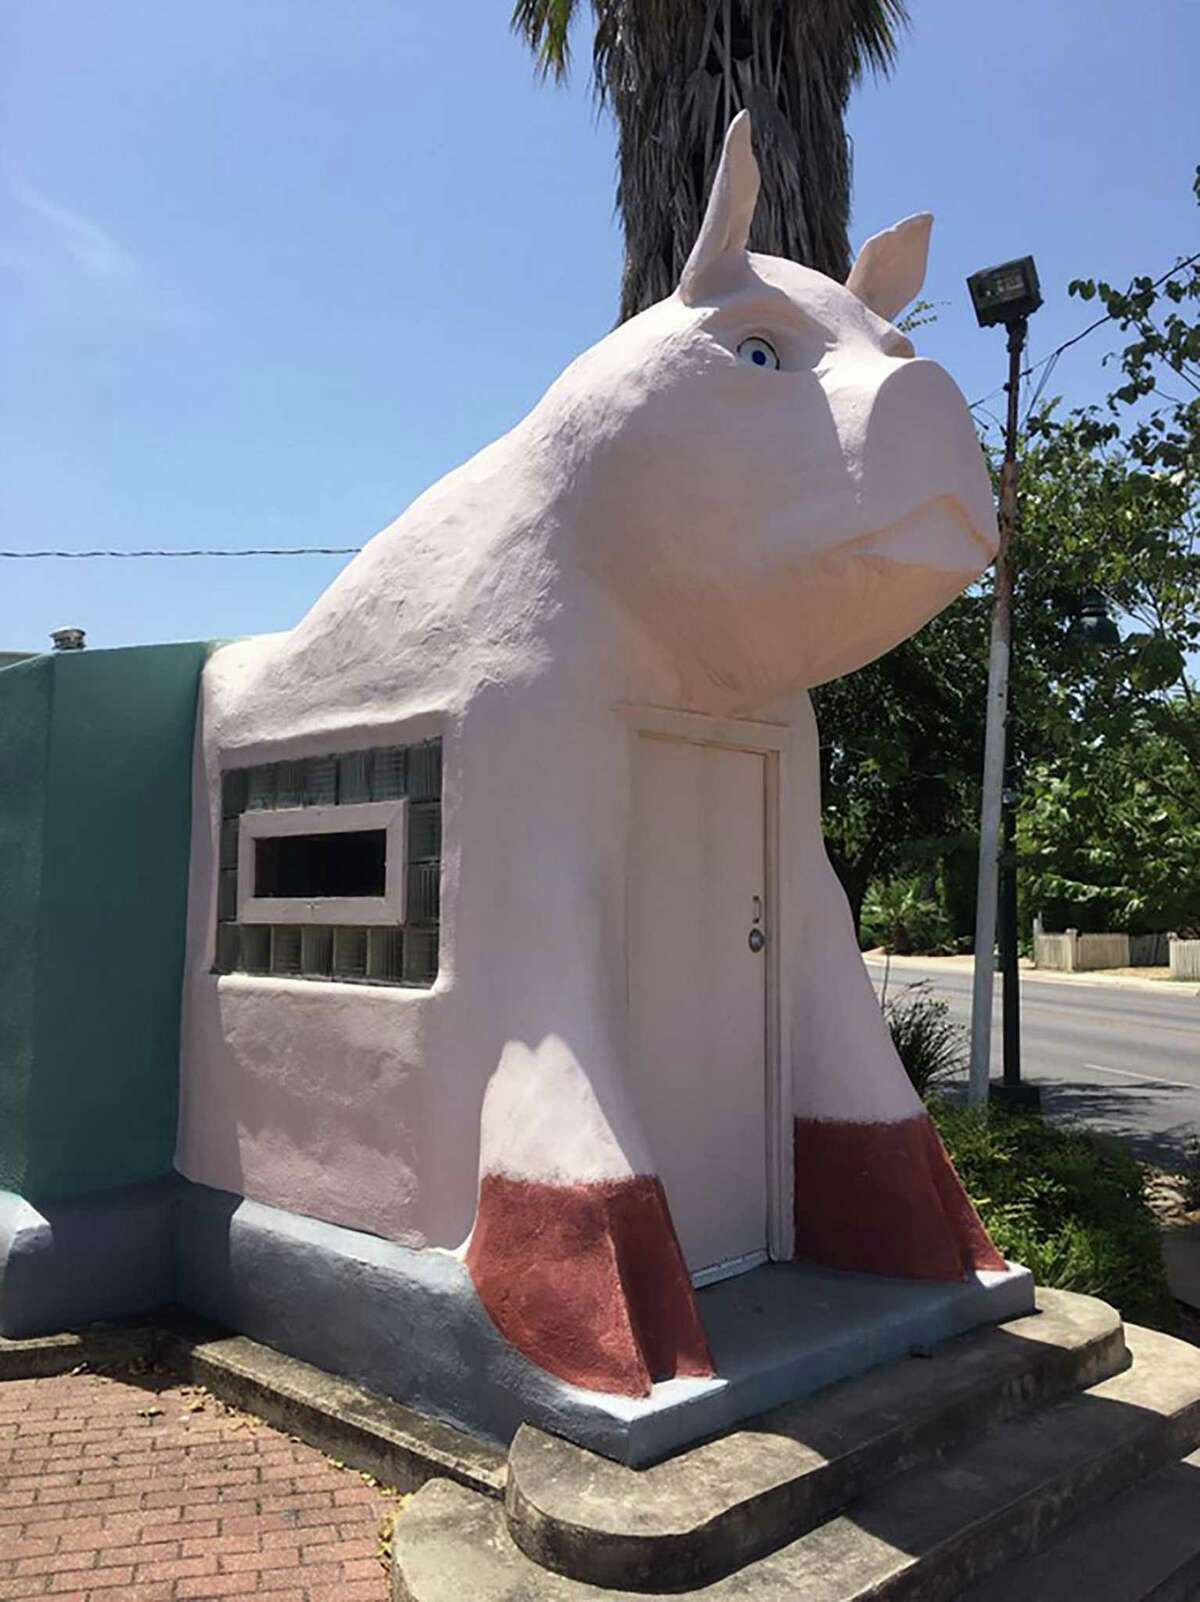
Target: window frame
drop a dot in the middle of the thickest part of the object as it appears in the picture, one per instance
(351, 818)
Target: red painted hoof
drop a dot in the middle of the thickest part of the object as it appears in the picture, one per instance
(885, 1199)
(588, 1281)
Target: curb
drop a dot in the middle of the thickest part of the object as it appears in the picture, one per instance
(1048, 976)
(355, 1427)
(1181, 1254)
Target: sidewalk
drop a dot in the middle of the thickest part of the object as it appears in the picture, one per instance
(136, 1488)
(1114, 978)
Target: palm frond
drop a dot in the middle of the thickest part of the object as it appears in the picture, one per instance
(546, 26)
(663, 67)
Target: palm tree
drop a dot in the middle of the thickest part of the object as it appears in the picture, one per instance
(675, 72)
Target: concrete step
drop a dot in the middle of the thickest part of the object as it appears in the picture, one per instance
(926, 1534)
(356, 1426)
(717, 1507)
(98, 1346)
(1142, 1546)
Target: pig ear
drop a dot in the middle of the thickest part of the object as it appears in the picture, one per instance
(890, 268)
(726, 225)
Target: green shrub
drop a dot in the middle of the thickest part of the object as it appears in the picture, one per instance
(901, 916)
(932, 1047)
(1068, 1204)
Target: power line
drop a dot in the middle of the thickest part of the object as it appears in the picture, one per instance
(1082, 334)
(263, 550)
(1050, 364)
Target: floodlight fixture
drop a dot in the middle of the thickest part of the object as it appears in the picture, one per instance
(1094, 627)
(1005, 294)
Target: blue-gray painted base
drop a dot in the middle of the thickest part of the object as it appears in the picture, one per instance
(107, 1255)
(410, 1324)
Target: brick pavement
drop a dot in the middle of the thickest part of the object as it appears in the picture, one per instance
(132, 1487)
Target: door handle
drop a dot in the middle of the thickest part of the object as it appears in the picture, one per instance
(756, 939)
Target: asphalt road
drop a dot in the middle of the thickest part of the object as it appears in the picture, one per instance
(1125, 1061)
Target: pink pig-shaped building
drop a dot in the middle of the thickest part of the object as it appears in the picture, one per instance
(521, 1002)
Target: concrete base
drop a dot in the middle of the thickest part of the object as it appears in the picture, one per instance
(1021, 1096)
(714, 1508)
(407, 1324)
(108, 1255)
(932, 1519)
(1181, 1253)
(410, 1325)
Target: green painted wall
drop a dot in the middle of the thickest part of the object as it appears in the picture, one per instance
(26, 693)
(98, 1070)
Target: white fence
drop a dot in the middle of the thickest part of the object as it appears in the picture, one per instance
(1054, 950)
(1185, 959)
(1072, 952)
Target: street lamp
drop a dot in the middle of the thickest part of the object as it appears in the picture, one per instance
(1093, 627)
(1005, 295)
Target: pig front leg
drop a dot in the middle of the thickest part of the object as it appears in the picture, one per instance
(875, 1189)
(573, 1251)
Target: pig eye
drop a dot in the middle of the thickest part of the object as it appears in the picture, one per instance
(757, 352)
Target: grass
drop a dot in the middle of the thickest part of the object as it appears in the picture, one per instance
(1068, 1204)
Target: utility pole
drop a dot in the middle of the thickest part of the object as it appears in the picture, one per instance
(1007, 295)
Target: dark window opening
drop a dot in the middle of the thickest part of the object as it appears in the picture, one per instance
(308, 866)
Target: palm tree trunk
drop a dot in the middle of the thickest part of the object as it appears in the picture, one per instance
(727, 51)
(675, 72)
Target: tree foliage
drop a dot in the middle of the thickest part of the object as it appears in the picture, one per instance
(905, 916)
(1106, 742)
(675, 73)
(901, 747)
(1110, 742)
(1109, 835)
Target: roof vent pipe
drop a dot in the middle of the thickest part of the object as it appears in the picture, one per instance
(67, 639)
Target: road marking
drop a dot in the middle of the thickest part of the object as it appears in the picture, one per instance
(1151, 1079)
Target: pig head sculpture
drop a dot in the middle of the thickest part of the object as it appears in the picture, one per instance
(651, 1050)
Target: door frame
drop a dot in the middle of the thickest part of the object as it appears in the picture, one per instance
(768, 740)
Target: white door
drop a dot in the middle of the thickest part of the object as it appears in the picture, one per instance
(697, 989)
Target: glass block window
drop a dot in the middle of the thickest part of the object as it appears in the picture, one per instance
(323, 863)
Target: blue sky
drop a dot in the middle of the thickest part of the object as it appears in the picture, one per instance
(270, 267)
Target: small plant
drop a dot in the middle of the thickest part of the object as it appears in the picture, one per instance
(929, 1043)
(901, 916)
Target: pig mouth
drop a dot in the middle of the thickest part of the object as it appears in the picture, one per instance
(939, 534)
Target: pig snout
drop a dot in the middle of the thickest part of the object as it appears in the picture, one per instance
(918, 447)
